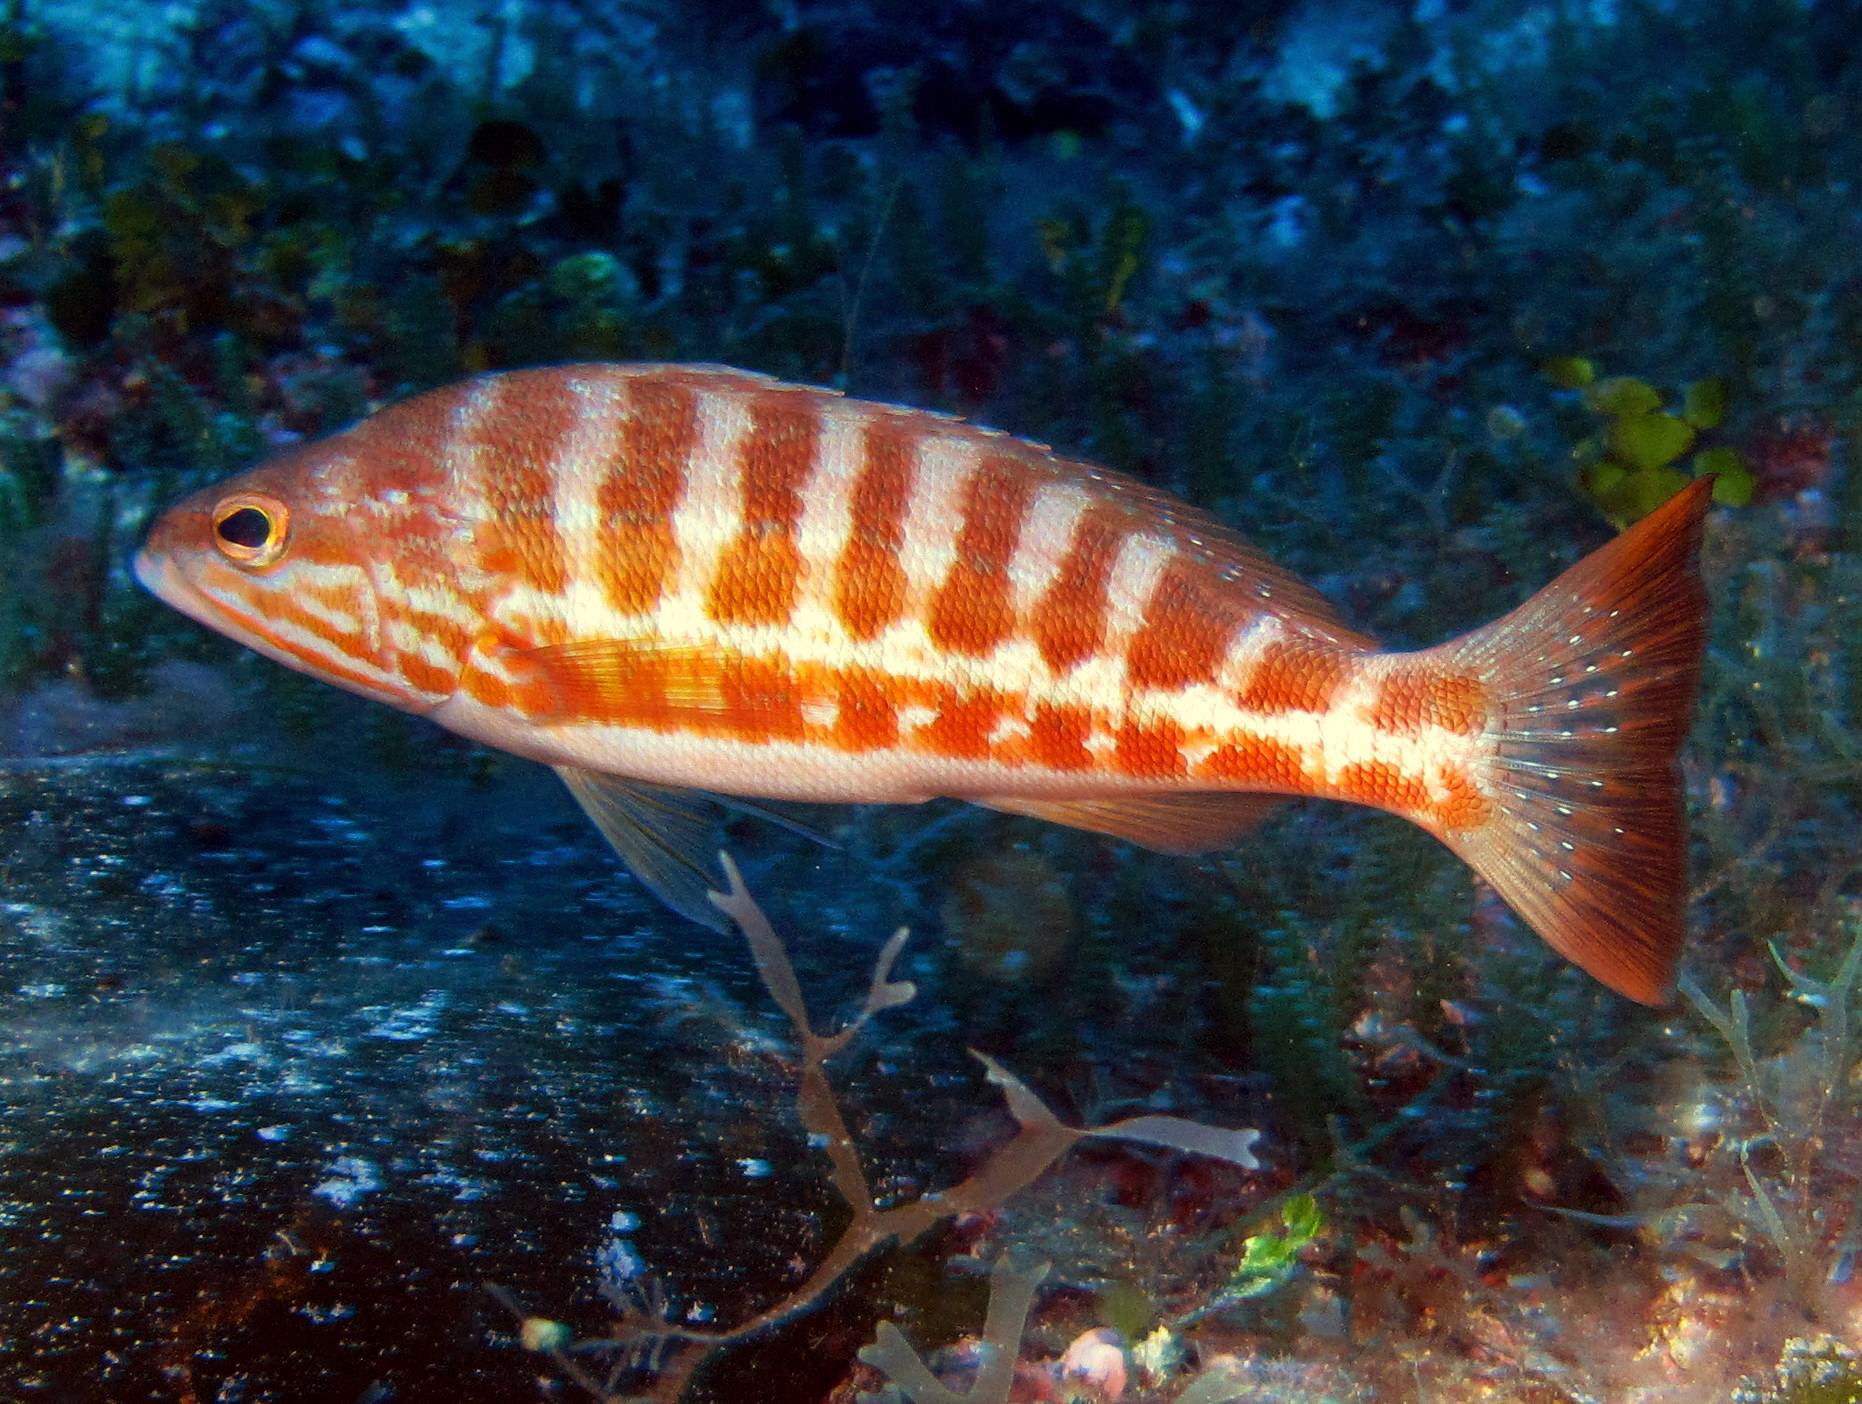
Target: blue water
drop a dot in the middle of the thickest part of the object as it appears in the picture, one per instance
(342, 1061)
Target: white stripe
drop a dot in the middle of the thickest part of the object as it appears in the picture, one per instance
(311, 643)
(342, 621)
(361, 617)
(942, 465)
(1133, 580)
(710, 514)
(410, 641)
(1247, 647)
(1047, 533)
(826, 524)
(462, 447)
(584, 463)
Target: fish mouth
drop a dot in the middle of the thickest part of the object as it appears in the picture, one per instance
(163, 578)
(159, 576)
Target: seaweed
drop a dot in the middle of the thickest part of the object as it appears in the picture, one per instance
(1794, 1104)
(1630, 469)
(644, 1331)
(1011, 1294)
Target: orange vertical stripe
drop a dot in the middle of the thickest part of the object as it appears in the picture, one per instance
(1069, 620)
(1187, 626)
(760, 571)
(1410, 699)
(520, 441)
(642, 487)
(1058, 737)
(867, 719)
(1293, 676)
(761, 699)
(869, 582)
(962, 726)
(970, 613)
(1384, 785)
(1466, 807)
(1256, 760)
(1153, 752)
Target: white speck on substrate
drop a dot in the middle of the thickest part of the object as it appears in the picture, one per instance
(351, 1177)
(410, 1024)
(619, 1261)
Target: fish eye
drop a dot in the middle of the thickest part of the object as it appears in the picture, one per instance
(250, 530)
(247, 527)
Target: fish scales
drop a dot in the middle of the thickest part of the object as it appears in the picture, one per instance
(717, 477)
(697, 577)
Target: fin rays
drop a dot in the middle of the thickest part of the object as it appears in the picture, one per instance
(663, 835)
(1595, 677)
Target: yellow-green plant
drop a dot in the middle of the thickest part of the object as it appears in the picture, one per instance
(1632, 465)
(1268, 1260)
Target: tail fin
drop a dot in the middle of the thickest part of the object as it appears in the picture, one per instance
(1593, 681)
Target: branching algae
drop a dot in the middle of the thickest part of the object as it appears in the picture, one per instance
(645, 1336)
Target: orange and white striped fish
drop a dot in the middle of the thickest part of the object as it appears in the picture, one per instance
(661, 579)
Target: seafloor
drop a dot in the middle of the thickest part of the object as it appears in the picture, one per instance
(341, 1061)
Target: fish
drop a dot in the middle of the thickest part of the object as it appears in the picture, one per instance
(676, 582)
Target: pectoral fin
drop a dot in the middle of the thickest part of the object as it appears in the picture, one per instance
(1193, 822)
(666, 837)
(615, 680)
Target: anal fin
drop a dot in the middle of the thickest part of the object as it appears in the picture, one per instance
(1194, 821)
